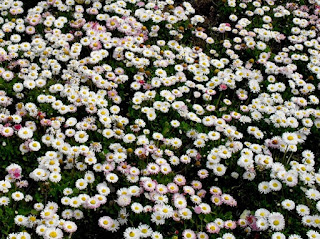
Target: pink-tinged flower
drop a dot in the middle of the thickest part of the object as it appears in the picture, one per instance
(248, 65)
(291, 6)
(14, 169)
(223, 87)
(232, 203)
(211, 92)
(304, 8)
(92, 11)
(205, 208)
(252, 34)
(124, 168)
(15, 172)
(77, 24)
(112, 93)
(7, 75)
(153, 168)
(112, 24)
(149, 185)
(141, 152)
(188, 234)
(216, 200)
(125, 28)
(22, 184)
(107, 167)
(51, 2)
(202, 193)
(203, 173)
(12, 65)
(226, 198)
(197, 210)
(41, 115)
(147, 86)
(69, 226)
(252, 222)
(227, 118)
(92, 203)
(212, 228)
(141, 82)
(235, 115)
(7, 29)
(229, 224)
(273, 143)
(110, 76)
(34, 21)
(280, 37)
(198, 156)
(161, 189)
(119, 71)
(215, 191)
(179, 180)
(244, 108)
(196, 94)
(196, 184)
(202, 235)
(148, 208)
(16, 10)
(179, 201)
(45, 122)
(175, 216)
(79, 9)
(123, 200)
(105, 222)
(135, 128)
(242, 97)
(46, 14)
(140, 4)
(242, 222)
(96, 26)
(172, 188)
(95, 45)
(7, 131)
(30, 30)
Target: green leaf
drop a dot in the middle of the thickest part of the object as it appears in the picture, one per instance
(184, 126)
(166, 128)
(34, 212)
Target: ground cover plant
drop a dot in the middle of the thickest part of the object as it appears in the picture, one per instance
(146, 119)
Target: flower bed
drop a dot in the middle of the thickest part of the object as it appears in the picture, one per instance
(144, 119)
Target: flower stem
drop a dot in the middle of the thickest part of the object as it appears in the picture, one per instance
(218, 100)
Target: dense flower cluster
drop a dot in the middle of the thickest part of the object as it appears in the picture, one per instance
(160, 126)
